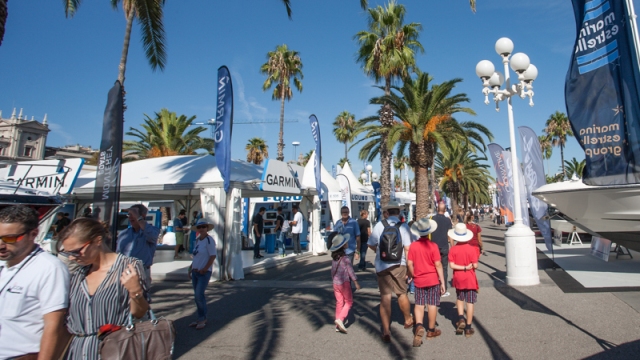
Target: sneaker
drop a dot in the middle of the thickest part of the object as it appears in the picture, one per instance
(337, 330)
(468, 332)
(201, 325)
(446, 294)
(193, 324)
(340, 326)
(432, 334)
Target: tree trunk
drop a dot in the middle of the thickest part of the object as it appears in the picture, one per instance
(281, 133)
(433, 181)
(345, 152)
(3, 18)
(386, 114)
(465, 201)
(122, 68)
(454, 204)
(564, 172)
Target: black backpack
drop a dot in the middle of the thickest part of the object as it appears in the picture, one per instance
(391, 243)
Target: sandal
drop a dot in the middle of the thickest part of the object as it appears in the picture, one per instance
(409, 325)
(386, 338)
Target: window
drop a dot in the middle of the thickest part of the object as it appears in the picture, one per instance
(28, 151)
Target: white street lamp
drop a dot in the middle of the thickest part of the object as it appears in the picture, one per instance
(520, 241)
(295, 147)
(369, 168)
(363, 176)
(374, 177)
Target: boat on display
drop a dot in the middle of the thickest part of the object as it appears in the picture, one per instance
(612, 212)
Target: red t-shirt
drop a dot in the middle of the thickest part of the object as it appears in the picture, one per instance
(464, 254)
(475, 229)
(424, 255)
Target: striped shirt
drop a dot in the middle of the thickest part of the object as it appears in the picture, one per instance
(342, 271)
(109, 305)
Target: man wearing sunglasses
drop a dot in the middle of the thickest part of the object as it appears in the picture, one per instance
(139, 240)
(34, 290)
(347, 225)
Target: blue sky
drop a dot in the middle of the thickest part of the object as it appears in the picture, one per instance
(64, 67)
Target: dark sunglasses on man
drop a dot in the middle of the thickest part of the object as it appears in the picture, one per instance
(12, 239)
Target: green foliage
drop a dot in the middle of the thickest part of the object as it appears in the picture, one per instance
(343, 161)
(344, 127)
(558, 128)
(574, 166)
(166, 135)
(257, 150)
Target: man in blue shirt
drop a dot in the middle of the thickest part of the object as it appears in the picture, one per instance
(139, 240)
(350, 226)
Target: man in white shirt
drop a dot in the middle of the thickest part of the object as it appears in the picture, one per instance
(296, 229)
(34, 290)
(392, 276)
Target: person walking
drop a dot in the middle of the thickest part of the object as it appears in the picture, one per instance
(178, 229)
(347, 225)
(296, 229)
(204, 254)
(280, 231)
(391, 275)
(463, 259)
(365, 231)
(108, 287)
(476, 240)
(425, 267)
(139, 240)
(258, 229)
(34, 290)
(440, 238)
(342, 275)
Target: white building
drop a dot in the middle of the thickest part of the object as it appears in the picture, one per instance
(22, 139)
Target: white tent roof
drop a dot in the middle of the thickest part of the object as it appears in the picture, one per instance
(356, 187)
(173, 177)
(309, 179)
(405, 198)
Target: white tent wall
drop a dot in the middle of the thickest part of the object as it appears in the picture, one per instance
(309, 181)
(213, 202)
(233, 228)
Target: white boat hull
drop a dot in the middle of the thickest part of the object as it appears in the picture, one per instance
(613, 212)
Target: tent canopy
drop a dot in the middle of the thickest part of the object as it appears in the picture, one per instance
(309, 179)
(356, 187)
(176, 177)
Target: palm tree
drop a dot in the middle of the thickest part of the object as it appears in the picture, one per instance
(387, 51)
(344, 129)
(3, 18)
(150, 17)
(424, 110)
(281, 67)
(558, 128)
(363, 4)
(257, 150)
(574, 166)
(546, 148)
(166, 135)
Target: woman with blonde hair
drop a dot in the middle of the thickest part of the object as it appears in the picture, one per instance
(105, 290)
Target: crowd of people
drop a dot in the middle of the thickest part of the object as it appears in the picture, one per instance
(61, 306)
(417, 254)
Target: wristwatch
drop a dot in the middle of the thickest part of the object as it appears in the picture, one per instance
(136, 296)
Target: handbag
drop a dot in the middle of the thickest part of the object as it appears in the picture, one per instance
(151, 339)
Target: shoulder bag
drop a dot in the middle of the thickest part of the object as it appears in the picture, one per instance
(150, 339)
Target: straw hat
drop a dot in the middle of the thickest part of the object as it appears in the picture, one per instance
(202, 222)
(339, 241)
(392, 205)
(460, 233)
(423, 227)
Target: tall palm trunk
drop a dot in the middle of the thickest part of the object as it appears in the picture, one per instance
(122, 68)
(386, 119)
(422, 179)
(564, 172)
(465, 201)
(281, 133)
(454, 203)
(345, 151)
(3, 17)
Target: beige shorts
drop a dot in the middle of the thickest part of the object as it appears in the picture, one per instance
(392, 280)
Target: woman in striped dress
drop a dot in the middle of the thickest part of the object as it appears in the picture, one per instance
(104, 290)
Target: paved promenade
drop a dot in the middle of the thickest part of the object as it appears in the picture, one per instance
(287, 313)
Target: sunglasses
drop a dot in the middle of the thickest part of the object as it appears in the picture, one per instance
(12, 239)
(202, 226)
(74, 253)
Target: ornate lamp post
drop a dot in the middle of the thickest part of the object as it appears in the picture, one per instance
(520, 241)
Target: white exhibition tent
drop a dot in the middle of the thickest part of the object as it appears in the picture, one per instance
(182, 178)
(329, 184)
(359, 192)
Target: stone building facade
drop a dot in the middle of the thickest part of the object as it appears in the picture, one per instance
(22, 139)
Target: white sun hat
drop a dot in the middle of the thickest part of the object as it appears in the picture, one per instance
(339, 241)
(460, 233)
(423, 227)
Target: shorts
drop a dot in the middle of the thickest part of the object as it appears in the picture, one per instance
(179, 238)
(468, 296)
(392, 280)
(428, 295)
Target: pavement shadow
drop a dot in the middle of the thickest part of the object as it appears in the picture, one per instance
(527, 303)
(497, 352)
(628, 350)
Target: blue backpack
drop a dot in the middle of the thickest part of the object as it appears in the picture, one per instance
(391, 243)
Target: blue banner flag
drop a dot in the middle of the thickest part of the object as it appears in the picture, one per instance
(503, 181)
(106, 193)
(376, 192)
(224, 124)
(601, 92)
(315, 131)
(534, 178)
